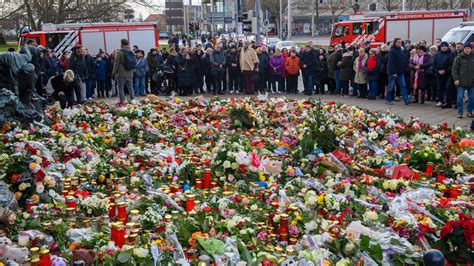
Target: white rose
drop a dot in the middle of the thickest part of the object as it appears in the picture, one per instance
(254, 207)
(226, 165)
(371, 216)
(140, 252)
(276, 218)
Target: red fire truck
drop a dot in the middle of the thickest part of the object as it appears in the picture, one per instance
(94, 36)
(379, 28)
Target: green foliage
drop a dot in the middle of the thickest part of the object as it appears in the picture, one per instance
(317, 134)
(241, 117)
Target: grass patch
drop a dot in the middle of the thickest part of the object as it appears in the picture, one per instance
(4, 47)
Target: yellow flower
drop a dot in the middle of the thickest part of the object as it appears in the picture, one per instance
(442, 187)
(320, 199)
(261, 177)
(298, 216)
(400, 223)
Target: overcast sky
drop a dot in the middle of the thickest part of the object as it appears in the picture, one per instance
(161, 3)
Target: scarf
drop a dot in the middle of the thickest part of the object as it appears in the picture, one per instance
(359, 64)
(417, 60)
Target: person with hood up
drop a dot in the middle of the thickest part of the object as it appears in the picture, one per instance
(442, 70)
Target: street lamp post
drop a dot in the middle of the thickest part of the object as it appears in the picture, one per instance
(257, 9)
(281, 20)
(288, 30)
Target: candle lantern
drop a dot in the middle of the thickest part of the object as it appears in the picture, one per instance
(284, 229)
(71, 202)
(45, 258)
(207, 178)
(112, 211)
(190, 202)
(441, 176)
(135, 216)
(120, 235)
(29, 204)
(122, 212)
(429, 169)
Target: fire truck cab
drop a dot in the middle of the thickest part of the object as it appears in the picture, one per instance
(379, 28)
(94, 36)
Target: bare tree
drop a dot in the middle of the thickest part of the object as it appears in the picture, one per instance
(390, 5)
(430, 4)
(337, 7)
(37, 12)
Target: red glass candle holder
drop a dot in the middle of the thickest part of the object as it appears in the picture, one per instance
(120, 236)
(190, 203)
(45, 258)
(198, 183)
(122, 212)
(29, 204)
(441, 176)
(71, 202)
(207, 179)
(112, 211)
(429, 169)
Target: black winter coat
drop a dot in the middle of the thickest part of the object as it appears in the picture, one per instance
(185, 74)
(346, 66)
(309, 59)
(322, 69)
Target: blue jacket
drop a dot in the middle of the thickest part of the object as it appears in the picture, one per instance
(442, 61)
(395, 61)
(141, 68)
(100, 69)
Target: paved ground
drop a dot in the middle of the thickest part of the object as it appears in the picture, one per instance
(427, 112)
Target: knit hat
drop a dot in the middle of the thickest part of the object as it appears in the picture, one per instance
(468, 45)
(445, 44)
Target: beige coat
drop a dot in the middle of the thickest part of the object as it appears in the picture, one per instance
(361, 76)
(248, 59)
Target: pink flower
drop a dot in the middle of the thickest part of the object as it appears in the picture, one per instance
(245, 201)
(293, 229)
(231, 212)
(255, 159)
(261, 235)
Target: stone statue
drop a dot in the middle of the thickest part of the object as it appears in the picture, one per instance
(18, 98)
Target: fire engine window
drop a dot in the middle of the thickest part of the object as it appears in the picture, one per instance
(53, 39)
(372, 27)
(471, 39)
(340, 31)
(357, 29)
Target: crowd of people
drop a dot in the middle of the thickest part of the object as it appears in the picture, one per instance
(398, 70)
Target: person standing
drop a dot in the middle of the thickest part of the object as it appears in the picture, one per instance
(218, 66)
(292, 66)
(185, 72)
(141, 68)
(233, 70)
(419, 67)
(333, 64)
(155, 63)
(64, 62)
(360, 69)
(373, 69)
(77, 63)
(206, 61)
(110, 85)
(346, 68)
(263, 59)
(198, 69)
(248, 65)
(395, 71)
(308, 69)
(277, 66)
(463, 76)
(125, 62)
(90, 80)
(322, 77)
(100, 75)
(442, 70)
(450, 88)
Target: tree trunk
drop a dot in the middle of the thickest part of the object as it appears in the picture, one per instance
(312, 23)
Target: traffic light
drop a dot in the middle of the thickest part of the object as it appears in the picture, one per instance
(247, 21)
(191, 28)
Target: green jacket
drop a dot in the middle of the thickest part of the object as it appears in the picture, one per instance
(463, 70)
(119, 70)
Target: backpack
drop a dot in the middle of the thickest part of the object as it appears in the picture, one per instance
(129, 60)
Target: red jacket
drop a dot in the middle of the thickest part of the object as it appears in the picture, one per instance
(292, 65)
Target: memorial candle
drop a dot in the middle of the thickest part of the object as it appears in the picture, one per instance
(122, 212)
(45, 258)
(207, 178)
(429, 169)
(189, 202)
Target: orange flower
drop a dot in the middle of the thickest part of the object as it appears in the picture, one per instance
(193, 240)
(15, 177)
(36, 198)
(74, 245)
(32, 165)
(18, 195)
